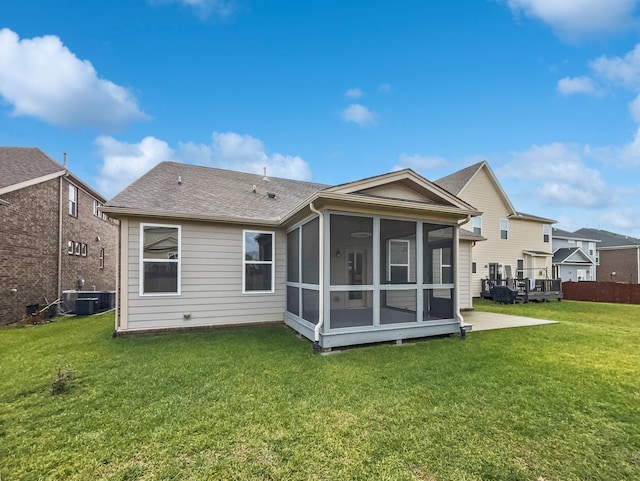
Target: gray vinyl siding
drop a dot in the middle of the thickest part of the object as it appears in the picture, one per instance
(211, 281)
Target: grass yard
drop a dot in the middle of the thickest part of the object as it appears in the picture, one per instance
(554, 402)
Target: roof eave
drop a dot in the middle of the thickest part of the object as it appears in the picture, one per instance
(120, 212)
(356, 200)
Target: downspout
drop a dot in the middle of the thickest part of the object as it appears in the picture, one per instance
(316, 331)
(60, 205)
(463, 331)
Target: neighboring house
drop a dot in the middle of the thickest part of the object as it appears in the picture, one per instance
(517, 246)
(574, 256)
(53, 233)
(618, 256)
(368, 261)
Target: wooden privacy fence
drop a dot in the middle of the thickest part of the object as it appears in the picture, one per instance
(616, 292)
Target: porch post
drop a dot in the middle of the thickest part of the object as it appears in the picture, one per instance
(376, 271)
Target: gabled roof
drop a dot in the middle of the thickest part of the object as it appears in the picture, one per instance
(21, 164)
(458, 181)
(414, 188)
(564, 234)
(193, 192)
(21, 167)
(571, 255)
(608, 239)
(190, 191)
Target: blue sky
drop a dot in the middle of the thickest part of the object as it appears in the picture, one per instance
(547, 91)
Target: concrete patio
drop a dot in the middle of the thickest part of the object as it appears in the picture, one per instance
(484, 321)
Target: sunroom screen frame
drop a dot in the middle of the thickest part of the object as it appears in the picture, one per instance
(376, 332)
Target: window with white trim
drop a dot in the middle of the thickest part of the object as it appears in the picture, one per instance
(73, 200)
(398, 265)
(546, 233)
(160, 259)
(70, 248)
(520, 269)
(477, 225)
(504, 228)
(83, 250)
(258, 254)
(101, 257)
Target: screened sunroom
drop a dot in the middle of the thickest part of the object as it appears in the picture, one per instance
(358, 278)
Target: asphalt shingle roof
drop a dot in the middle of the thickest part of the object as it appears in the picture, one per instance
(20, 164)
(606, 238)
(211, 192)
(564, 253)
(455, 182)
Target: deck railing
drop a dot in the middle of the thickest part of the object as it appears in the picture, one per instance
(527, 289)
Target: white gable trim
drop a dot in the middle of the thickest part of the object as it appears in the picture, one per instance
(30, 182)
(496, 184)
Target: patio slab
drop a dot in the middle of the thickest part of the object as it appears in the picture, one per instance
(485, 321)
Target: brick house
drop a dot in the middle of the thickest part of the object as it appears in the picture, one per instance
(618, 256)
(53, 233)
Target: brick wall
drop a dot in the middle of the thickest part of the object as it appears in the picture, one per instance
(28, 249)
(624, 262)
(93, 232)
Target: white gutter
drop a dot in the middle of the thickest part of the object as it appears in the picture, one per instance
(316, 332)
(457, 264)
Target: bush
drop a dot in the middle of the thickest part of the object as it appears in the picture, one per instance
(63, 379)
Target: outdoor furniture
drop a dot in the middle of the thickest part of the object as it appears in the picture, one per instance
(503, 294)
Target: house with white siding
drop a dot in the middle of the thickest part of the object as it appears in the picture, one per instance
(517, 245)
(379, 259)
(575, 257)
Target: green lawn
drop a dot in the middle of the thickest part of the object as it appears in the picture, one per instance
(554, 402)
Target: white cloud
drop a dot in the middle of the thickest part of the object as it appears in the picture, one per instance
(621, 71)
(354, 93)
(359, 114)
(577, 18)
(627, 155)
(204, 8)
(420, 163)
(384, 88)
(561, 175)
(245, 153)
(578, 85)
(123, 163)
(42, 78)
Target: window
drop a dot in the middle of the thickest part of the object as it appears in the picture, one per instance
(520, 269)
(398, 256)
(258, 255)
(160, 259)
(73, 200)
(70, 248)
(102, 258)
(77, 248)
(477, 225)
(597, 258)
(97, 210)
(546, 233)
(83, 250)
(504, 228)
(474, 268)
